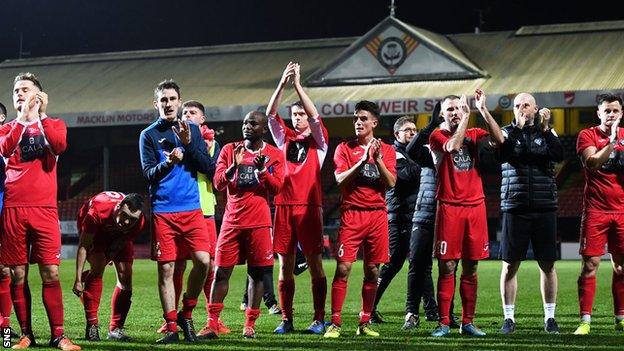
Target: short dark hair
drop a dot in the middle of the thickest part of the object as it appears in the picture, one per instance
(259, 114)
(609, 98)
(369, 106)
(2, 109)
(401, 121)
(196, 104)
(297, 103)
(28, 76)
(134, 202)
(451, 97)
(166, 84)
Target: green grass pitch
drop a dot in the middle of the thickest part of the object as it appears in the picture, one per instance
(145, 315)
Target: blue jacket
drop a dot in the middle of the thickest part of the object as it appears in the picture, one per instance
(173, 188)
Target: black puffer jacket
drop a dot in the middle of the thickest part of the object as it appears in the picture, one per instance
(425, 209)
(527, 158)
(401, 199)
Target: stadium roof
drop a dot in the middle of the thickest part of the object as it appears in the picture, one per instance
(553, 60)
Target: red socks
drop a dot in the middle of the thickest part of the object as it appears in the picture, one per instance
(319, 294)
(5, 300)
(617, 288)
(446, 290)
(251, 314)
(53, 302)
(208, 286)
(586, 293)
(338, 294)
(369, 289)
(171, 319)
(178, 279)
(120, 305)
(20, 293)
(214, 312)
(91, 296)
(286, 289)
(468, 293)
(188, 304)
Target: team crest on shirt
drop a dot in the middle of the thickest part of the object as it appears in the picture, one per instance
(297, 151)
(369, 174)
(32, 145)
(462, 160)
(246, 177)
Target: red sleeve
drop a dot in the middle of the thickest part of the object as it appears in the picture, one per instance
(273, 177)
(389, 159)
(10, 135)
(341, 162)
(220, 181)
(288, 132)
(89, 224)
(480, 133)
(584, 141)
(55, 132)
(437, 141)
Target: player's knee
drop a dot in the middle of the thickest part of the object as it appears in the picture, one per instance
(165, 270)
(49, 273)
(343, 270)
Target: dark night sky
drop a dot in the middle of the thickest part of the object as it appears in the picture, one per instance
(60, 27)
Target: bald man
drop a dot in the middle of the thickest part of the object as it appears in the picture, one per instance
(529, 205)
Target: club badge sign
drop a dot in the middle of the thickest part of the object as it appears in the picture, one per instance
(391, 52)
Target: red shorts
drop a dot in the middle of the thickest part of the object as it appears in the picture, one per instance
(461, 232)
(599, 229)
(34, 229)
(237, 245)
(185, 254)
(120, 250)
(172, 230)
(366, 228)
(298, 223)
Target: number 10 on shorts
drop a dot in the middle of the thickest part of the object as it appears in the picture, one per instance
(442, 247)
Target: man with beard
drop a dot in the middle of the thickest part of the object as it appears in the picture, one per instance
(461, 223)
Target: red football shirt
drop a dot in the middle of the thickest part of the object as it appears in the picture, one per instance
(97, 217)
(304, 156)
(30, 151)
(604, 189)
(248, 191)
(366, 191)
(459, 180)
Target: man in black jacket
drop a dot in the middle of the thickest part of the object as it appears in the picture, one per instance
(528, 204)
(400, 201)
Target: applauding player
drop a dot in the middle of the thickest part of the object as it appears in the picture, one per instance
(250, 171)
(172, 154)
(298, 217)
(461, 223)
(601, 149)
(108, 223)
(365, 168)
(31, 144)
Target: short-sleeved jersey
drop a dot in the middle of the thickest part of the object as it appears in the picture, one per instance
(366, 191)
(30, 151)
(248, 191)
(304, 156)
(604, 188)
(459, 180)
(97, 217)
